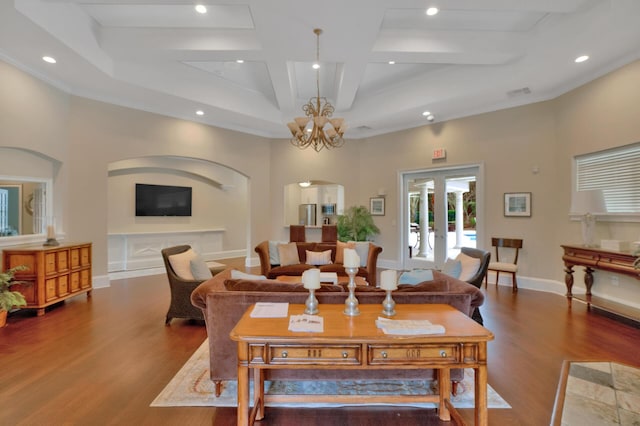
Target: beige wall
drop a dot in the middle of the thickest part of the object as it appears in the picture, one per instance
(86, 136)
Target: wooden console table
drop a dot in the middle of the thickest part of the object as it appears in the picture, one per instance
(594, 258)
(55, 273)
(356, 343)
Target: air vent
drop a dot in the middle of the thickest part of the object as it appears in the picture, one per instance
(519, 92)
(363, 128)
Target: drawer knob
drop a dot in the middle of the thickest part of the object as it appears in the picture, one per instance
(285, 354)
(443, 354)
(384, 354)
(344, 354)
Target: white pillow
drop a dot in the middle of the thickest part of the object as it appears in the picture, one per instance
(470, 266)
(199, 269)
(239, 275)
(453, 268)
(181, 264)
(274, 256)
(318, 258)
(362, 248)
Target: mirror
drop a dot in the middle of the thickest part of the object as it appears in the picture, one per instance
(313, 204)
(22, 207)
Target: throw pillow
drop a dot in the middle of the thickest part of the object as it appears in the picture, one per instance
(362, 248)
(237, 275)
(199, 269)
(181, 264)
(318, 257)
(274, 256)
(470, 266)
(415, 276)
(340, 246)
(452, 268)
(288, 254)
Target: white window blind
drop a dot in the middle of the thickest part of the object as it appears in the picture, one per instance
(617, 173)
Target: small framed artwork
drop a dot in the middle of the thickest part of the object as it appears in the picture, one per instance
(376, 206)
(517, 204)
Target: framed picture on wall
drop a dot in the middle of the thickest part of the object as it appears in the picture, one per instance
(517, 204)
(376, 206)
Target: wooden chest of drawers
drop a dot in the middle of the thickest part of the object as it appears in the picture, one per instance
(54, 274)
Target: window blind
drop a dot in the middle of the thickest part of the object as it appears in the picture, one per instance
(616, 172)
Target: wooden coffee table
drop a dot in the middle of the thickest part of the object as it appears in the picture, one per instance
(356, 343)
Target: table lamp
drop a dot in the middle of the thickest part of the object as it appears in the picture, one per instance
(588, 204)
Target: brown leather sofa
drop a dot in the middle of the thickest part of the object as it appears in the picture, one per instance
(224, 300)
(369, 272)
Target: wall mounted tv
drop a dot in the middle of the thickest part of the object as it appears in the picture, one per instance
(162, 200)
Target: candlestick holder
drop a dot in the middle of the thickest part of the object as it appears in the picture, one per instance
(311, 305)
(388, 305)
(351, 304)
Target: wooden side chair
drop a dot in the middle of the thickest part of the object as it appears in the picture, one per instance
(297, 234)
(505, 246)
(329, 233)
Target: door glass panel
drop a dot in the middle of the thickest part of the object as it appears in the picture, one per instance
(440, 215)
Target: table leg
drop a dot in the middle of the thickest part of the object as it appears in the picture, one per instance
(568, 281)
(481, 414)
(258, 392)
(243, 395)
(588, 282)
(444, 389)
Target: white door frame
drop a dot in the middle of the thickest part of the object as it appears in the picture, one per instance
(403, 253)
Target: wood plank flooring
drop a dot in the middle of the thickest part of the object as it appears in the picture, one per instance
(101, 361)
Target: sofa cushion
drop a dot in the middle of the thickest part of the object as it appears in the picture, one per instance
(181, 264)
(199, 269)
(274, 286)
(362, 248)
(318, 257)
(470, 266)
(437, 285)
(235, 274)
(415, 276)
(288, 254)
(340, 246)
(274, 255)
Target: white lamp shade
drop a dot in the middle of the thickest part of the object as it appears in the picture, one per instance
(589, 201)
(301, 121)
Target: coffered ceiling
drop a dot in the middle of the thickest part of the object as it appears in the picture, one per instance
(473, 56)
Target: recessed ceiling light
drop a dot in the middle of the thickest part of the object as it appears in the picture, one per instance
(49, 59)
(426, 113)
(200, 112)
(582, 58)
(432, 11)
(431, 117)
(240, 61)
(315, 66)
(392, 62)
(201, 8)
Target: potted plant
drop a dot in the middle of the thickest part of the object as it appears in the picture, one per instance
(10, 299)
(356, 224)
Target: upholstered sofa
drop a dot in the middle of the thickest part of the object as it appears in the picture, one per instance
(273, 270)
(223, 300)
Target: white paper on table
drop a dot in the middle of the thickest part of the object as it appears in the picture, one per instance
(408, 327)
(306, 323)
(270, 310)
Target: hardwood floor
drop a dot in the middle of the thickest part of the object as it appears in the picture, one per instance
(102, 361)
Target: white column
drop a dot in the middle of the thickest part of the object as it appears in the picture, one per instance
(424, 221)
(459, 219)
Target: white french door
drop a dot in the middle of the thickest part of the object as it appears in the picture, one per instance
(440, 214)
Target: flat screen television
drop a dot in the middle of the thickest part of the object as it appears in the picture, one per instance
(162, 200)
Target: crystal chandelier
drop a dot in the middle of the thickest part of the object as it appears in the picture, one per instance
(317, 129)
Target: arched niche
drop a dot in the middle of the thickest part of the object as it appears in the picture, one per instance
(325, 198)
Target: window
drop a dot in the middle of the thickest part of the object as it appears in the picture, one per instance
(616, 172)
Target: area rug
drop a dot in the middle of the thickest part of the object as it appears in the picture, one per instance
(602, 393)
(191, 387)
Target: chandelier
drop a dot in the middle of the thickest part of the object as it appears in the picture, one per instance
(317, 130)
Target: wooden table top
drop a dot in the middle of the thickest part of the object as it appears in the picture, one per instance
(337, 326)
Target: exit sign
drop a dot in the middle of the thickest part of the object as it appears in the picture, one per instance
(439, 154)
